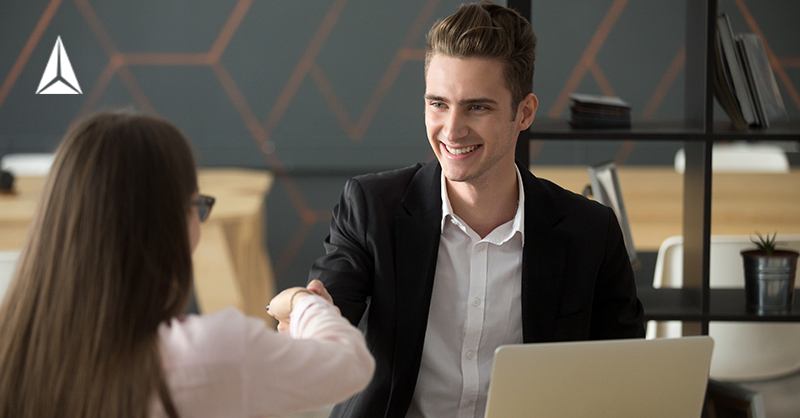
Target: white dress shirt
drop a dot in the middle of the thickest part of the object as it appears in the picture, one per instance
(475, 307)
(225, 364)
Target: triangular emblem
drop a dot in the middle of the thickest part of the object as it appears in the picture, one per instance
(58, 77)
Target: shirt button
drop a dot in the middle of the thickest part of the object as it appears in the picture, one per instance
(476, 302)
(480, 247)
(470, 355)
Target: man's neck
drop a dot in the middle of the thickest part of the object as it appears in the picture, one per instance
(485, 205)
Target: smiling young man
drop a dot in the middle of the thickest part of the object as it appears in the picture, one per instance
(442, 263)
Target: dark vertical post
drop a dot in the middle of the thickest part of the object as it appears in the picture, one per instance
(698, 114)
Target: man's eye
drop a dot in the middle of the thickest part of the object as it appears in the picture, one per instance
(437, 105)
(478, 107)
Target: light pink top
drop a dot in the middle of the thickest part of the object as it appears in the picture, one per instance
(228, 365)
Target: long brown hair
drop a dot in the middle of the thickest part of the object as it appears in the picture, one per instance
(107, 259)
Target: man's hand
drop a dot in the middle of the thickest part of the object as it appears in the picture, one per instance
(281, 306)
(318, 288)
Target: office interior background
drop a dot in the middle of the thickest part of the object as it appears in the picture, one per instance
(318, 91)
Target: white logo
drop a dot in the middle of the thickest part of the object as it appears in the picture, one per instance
(58, 77)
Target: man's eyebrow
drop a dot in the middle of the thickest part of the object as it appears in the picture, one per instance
(477, 100)
(436, 98)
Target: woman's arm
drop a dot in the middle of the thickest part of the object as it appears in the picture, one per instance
(322, 361)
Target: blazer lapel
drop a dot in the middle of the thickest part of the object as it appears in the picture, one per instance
(543, 261)
(417, 232)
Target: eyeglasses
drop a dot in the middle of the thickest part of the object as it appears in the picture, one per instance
(204, 204)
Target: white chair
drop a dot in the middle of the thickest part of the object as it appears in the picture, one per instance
(24, 165)
(8, 259)
(742, 158)
(742, 350)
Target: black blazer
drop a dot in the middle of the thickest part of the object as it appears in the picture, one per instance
(577, 282)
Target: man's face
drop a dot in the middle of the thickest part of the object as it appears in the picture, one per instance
(470, 123)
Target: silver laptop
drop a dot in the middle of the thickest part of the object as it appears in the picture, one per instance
(601, 379)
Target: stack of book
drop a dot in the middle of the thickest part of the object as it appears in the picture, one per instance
(589, 111)
(744, 83)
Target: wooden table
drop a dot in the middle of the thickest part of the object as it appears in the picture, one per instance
(231, 264)
(742, 203)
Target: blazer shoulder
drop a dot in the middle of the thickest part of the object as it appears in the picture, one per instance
(398, 177)
(548, 194)
(389, 187)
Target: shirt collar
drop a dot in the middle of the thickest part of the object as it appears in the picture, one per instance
(519, 216)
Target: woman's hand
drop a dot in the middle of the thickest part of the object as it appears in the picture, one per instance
(281, 306)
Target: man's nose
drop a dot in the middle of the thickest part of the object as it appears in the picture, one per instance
(455, 126)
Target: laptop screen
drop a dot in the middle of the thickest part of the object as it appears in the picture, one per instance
(601, 379)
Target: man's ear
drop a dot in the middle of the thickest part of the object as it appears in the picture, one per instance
(527, 111)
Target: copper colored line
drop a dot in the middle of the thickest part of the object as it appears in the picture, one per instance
(27, 50)
(100, 86)
(333, 101)
(239, 101)
(97, 27)
(625, 152)
(260, 134)
(601, 79)
(395, 67)
(293, 247)
(371, 109)
(225, 36)
(303, 67)
(420, 23)
(124, 72)
(410, 54)
(587, 58)
(790, 62)
(665, 84)
(133, 87)
(310, 218)
(144, 58)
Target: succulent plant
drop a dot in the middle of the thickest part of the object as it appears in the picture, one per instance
(765, 245)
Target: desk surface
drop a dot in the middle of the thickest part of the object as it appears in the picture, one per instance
(742, 203)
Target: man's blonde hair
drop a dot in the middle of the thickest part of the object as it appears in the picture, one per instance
(486, 30)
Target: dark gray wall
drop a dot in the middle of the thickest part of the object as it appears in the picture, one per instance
(321, 90)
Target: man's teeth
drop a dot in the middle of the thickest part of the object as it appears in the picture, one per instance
(459, 151)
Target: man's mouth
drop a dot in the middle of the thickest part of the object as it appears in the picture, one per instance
(459, 151)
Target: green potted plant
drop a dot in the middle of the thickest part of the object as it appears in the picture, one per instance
(769, 275)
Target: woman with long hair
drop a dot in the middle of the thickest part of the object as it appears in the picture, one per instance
(90, 325)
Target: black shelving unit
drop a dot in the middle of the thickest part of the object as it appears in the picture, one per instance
(695, 304)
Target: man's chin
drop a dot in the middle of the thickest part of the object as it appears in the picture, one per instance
(459, 177)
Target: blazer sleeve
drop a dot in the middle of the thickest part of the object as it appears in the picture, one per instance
(347, 267)
(618, 313)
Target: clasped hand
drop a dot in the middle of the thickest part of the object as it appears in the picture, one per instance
(281, 306)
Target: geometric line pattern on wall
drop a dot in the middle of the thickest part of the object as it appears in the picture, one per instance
(261, 127)
(119, 64)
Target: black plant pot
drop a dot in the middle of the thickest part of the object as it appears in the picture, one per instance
(769, 280)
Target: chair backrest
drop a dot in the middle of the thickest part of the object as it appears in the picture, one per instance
(27, 164)
(742, 351)
(726, 269)
(742, 158)
(8, 260)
